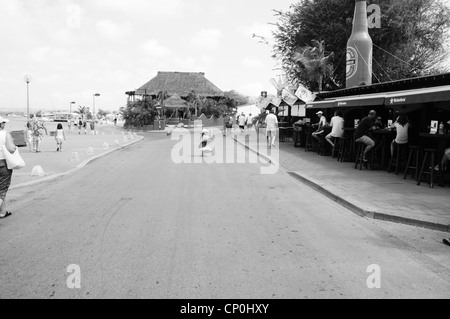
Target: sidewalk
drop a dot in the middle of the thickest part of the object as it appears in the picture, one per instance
(56, 163)
(373, 194)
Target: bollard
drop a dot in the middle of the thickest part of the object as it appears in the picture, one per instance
(37, 171)
(75, 157)
(105, 146)
(90, 151)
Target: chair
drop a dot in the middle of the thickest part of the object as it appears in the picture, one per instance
(413, 162)
(396, 159)
(429, 158)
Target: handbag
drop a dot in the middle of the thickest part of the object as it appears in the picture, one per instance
(14, 160)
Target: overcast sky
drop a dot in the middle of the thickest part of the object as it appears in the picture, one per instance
(75, 48)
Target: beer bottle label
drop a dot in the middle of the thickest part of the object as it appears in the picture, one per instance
(352, 62)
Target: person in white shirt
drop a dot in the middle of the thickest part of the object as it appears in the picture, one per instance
(250, 122)
(242, 122)
(337, 124)
(271, 128)
(6, 145)
(402, 127)
(322, 123)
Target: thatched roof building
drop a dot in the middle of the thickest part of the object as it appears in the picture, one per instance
(175, 102)
(181, 84)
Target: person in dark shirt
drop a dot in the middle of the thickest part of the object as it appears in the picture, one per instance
(379, 123)
(362, 134)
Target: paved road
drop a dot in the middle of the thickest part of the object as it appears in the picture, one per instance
(140, 226)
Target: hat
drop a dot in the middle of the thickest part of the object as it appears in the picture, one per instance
(319, 113)
(3, 120)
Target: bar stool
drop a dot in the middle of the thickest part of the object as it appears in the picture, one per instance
(413, 162)
(396, 160)
(336, 147)
(344, 149)
(429, 159)
(361, 147)
(297, 137)
(322, 146)
(309, 145)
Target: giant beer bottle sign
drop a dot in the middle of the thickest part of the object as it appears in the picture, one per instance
(359, 49)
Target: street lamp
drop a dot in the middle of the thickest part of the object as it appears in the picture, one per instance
(95, 95)
(28, 79)
(71, 103)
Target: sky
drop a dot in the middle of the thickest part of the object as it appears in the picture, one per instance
(74, 49)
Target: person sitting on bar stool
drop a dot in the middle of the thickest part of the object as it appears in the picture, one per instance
(402, 127)
(320, 126)
(445, 160)
(362, 133)
(337, 125)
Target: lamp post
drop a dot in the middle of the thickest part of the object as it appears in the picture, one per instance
(28, 79)
(95, 95)
(71, 103)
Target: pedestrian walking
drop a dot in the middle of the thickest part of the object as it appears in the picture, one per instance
(29, 136)
(69, 124)
(85, 126)
(6, 145)
(242, 122)
(60, 137)
(205, 138)
(80, 126)
(38, 129)
(250, 122)
(115, 121)
(271, 128)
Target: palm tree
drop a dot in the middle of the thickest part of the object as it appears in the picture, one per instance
(317, 65)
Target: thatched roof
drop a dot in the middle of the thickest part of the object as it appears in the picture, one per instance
(175, 101)
(181, 83)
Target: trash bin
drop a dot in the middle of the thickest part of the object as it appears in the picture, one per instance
(20, 138)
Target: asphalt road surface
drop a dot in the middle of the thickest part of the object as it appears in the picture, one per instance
(139, 226)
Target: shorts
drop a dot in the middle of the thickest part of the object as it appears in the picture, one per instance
(366, 140)
(59, 141)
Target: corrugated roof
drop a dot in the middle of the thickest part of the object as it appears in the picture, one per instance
(181, 83)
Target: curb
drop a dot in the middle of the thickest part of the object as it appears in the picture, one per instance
(356, 209)
(73, 170)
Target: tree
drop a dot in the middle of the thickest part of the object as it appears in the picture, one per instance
(410, 42)
(102, 113)
(140, 113)
(316, 64)
(236, 98)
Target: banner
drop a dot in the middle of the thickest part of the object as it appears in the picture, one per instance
(289, 98)
(305, 95)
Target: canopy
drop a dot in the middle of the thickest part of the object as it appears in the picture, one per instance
(428, 95)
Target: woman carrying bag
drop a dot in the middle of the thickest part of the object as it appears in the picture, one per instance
(6, 145)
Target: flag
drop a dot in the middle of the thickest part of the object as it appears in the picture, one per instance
(305, 95)
(289, 98)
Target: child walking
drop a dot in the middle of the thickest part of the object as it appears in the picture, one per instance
(60, 137)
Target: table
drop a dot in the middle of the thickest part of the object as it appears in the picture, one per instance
(442, 140)
(284, 132)
(385, 136)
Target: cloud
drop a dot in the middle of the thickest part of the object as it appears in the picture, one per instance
(207, 39)
(252, 63)
(144, 7)
(154, 49)
(260, 29)
(112, 30)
